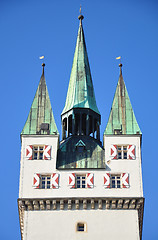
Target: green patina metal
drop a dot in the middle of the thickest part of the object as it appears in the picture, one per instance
(69, 154)
(79, 150)
(41, 112)
(80, 91)
(122, 119)
(80, 144)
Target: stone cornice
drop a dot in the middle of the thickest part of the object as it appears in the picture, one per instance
(44, 204)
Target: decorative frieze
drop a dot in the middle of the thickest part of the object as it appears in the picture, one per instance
(113, 204)
(126, 204)
(61, 204)
(139, 203)
(101, 203)
(42, 204)
(132, 204)
(107, 204)
(29, 204)
(54, 205)
(77, 204)
(84, 204)
(120, 203)
(36, 205)
(92, 204)
(48, 206)
(100, 206)
(69, 204)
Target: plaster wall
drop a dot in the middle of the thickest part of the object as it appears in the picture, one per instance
(29, 167)
(59, 225)
(133, 167)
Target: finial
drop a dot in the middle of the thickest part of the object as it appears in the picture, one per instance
(120, 64)
(43, 65)
(80, 17)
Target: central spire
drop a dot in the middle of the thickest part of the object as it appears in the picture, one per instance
(80, 95)
(80, 92)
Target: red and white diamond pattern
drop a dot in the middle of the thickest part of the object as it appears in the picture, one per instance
(90, 180)
(36, 180)
(29, 152)
(107, 180)
(55, 180)
(72, 180)
(47, 152)
(131, 152)
(125, 180)
(113, 151)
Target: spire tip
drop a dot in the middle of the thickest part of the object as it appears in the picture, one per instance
(120, 65)
(43, 65)
(80, 17)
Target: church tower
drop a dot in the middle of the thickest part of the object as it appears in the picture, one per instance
(78, 188)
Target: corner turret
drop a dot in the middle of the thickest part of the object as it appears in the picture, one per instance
(122, 119)
(40, 120)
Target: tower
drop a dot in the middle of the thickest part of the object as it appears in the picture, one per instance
(78, 188)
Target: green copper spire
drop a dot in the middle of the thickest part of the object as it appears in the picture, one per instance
(80, 91)
(122, 119)
(40, 119)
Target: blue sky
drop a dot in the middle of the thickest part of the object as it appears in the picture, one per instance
(33, 28)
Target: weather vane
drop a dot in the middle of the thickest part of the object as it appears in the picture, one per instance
(43, 64)
(119, 58)
(120, 64)
(41, 57)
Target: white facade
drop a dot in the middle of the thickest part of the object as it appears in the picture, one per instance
(101, 224)
(30, 167)
(47, 212)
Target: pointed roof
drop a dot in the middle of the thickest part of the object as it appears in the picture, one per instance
(40, 112)
(80, 91)
(122, 118)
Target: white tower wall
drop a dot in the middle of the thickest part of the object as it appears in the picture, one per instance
(100, 224)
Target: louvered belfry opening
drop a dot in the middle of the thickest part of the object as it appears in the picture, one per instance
(81, 122)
